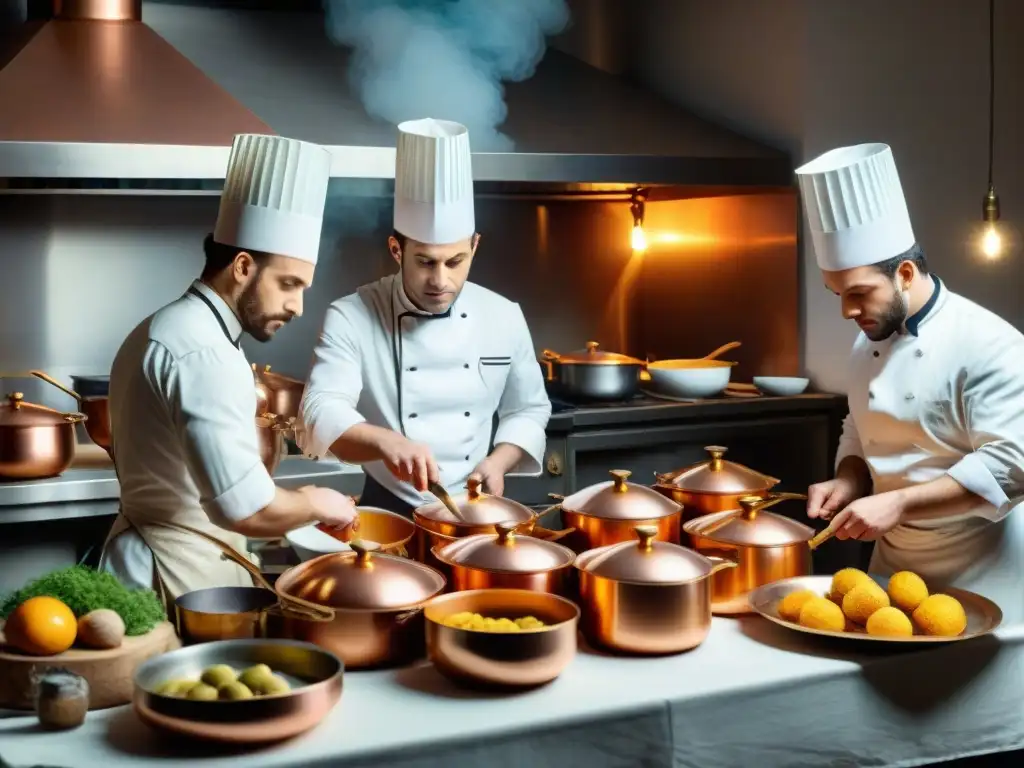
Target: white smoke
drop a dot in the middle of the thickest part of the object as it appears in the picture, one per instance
(444, 58)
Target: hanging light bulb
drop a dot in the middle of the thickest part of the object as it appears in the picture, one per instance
(991, 243)
(638, 239)
(991, 237)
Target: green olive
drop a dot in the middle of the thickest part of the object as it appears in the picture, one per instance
(219, 675)
(202, 692)
(276, 684)
(234, 692)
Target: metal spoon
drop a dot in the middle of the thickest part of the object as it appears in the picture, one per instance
(438, 490)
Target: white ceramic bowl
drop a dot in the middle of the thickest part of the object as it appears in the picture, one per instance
(309, 542)
(781, 386)
(671, 378)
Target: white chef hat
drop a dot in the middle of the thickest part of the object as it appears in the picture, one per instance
(855, 207)
(274, 194)
(434, 182)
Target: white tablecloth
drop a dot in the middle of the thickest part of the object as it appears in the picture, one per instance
(754, 695)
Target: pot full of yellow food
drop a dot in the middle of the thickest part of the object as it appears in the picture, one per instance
(646, 596)
(501, 638)
(767, 547)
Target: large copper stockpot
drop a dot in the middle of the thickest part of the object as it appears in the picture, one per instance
(608, 512)
(507, 561)
(768, 547)
(35, 441)
(277, 393)
(712, 485)
(377, 601)
(650, 597)
(96, 409)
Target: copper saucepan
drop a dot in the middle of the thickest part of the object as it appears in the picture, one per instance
(270, 432)
(277, 393)
(96, 409)
(767, 547)
(36, 442)
(647, 597)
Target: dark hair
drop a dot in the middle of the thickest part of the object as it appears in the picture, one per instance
(402, 239)
(915, 254)
(220, 256)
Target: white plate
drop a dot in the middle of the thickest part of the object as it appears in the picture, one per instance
(309, 542)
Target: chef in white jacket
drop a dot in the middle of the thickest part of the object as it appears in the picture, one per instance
(931, 461)
(182, 395)
(410, 370)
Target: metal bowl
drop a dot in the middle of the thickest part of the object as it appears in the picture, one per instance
(314, 674)
(222, 613)
(502, 660)
(389, 529)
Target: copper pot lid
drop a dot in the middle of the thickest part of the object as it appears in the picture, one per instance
(506, 552)
(362, 580)
(751, 526)
(275, 380)
(477, 509)
(17, 412)
(645, 561)
(618, 500)
(591, 356)
(718, 476)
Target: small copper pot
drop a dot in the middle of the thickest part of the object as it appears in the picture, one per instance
(713, 485)
(96, 410)
(767, 548)
(608, 513)
(650, 597)
(36, 442)
(270, 434)
(503, 560)
(277, 393)
(222, 613)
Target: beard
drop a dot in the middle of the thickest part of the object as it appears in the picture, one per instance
(254, 320)
(891, 321)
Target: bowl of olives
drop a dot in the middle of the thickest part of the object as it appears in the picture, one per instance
(239, 691)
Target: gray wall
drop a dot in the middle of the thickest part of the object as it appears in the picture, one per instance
(808, 75)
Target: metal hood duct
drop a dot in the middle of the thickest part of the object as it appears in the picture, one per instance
(150, 105)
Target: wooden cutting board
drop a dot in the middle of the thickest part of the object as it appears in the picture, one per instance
(109, 673)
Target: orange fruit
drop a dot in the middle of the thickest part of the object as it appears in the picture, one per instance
(41, 626)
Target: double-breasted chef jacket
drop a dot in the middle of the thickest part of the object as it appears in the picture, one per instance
(947, 397)
(182, 407)
(437, 379)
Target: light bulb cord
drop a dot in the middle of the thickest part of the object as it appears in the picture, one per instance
(991, 87)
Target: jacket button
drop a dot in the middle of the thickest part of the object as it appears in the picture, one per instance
(463, 314)
(412, 415)
(413, 368)
(909, 396)
(918, 353)
(467, 458)
(871, 395)
(875, 353)
(466, 413)
(465, 365)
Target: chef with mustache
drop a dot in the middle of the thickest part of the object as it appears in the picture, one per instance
(411, 370)
(931, 462)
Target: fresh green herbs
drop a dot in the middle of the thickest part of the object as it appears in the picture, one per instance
(84, 589)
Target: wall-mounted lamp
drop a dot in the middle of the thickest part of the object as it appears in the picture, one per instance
(638, 239)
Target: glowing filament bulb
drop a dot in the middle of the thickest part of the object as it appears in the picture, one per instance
(638, 239)
(991, 242)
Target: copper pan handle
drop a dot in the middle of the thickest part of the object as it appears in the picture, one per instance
(409, 615)
(548, 354)
(54, 383)
(720, 563)
(546, 534)
(722, 350)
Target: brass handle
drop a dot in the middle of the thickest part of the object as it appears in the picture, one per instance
(720, 563)
(53, 382)
(592, 347)
(722, 350)
(619, 477)
(752, 505)
(550, 355)
(646, 534)
(364, 551)
(505, 530)
(546, 534)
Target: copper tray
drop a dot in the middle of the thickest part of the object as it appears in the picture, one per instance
(983, 616)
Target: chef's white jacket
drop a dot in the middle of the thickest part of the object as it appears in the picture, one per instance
(947, 397)
(439, 379)
(182, 418)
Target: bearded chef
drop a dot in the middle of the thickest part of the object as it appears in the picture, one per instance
(411, 369)
(931, 461)
(182, 395)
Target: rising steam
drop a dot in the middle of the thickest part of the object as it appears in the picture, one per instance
(444, 58)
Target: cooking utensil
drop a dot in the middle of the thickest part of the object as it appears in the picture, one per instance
(592, 374)
(439, 491)
(35, 441)
(727, 347)
(608, 513)
(514, 659)
(983, 615)
(646, 596)
(95, 408)
(506, 560)
(768, 547)
(781, 386)
(277, 393)
(823, 536)
(712, 485)
(315, 676)
(692, 379)
(376, 600)
(390, 530)
(222, 613)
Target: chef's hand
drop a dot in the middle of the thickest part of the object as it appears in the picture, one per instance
(826, 499)
(870, 518)
(410, 462)
(332, 509)
(491, 477)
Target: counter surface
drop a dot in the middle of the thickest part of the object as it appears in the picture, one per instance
(752, 694)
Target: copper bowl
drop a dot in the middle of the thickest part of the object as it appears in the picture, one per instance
(390, 530)
(502, 659)
(315, 674)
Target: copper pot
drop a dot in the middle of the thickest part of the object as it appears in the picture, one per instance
(608, 513)
(650, 597)
(222, 613)
(712, 485)
(766, 546)
(35, 441)
(376, 599)
(506, 561)
(96, 410)
(593, 374)
(270, 435)
(277, 393)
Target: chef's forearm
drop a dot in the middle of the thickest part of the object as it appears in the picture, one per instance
(288, 510)
(505, 456)
(855, 470)
(942, 497)
(362, 443)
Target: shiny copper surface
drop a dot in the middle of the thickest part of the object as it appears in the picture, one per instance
(276, 393)
(504, 660)
(757, 564)
(592, 355)
(390, 530)
(222, 613)
(316, 677)
(645, 560)
(718, 476)
(270, 436)
(98, 10)
(750, 525)
(479, 512)
(618, 499)
(69, 83)
(592, 532)
(35, 441)
(97, 414)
